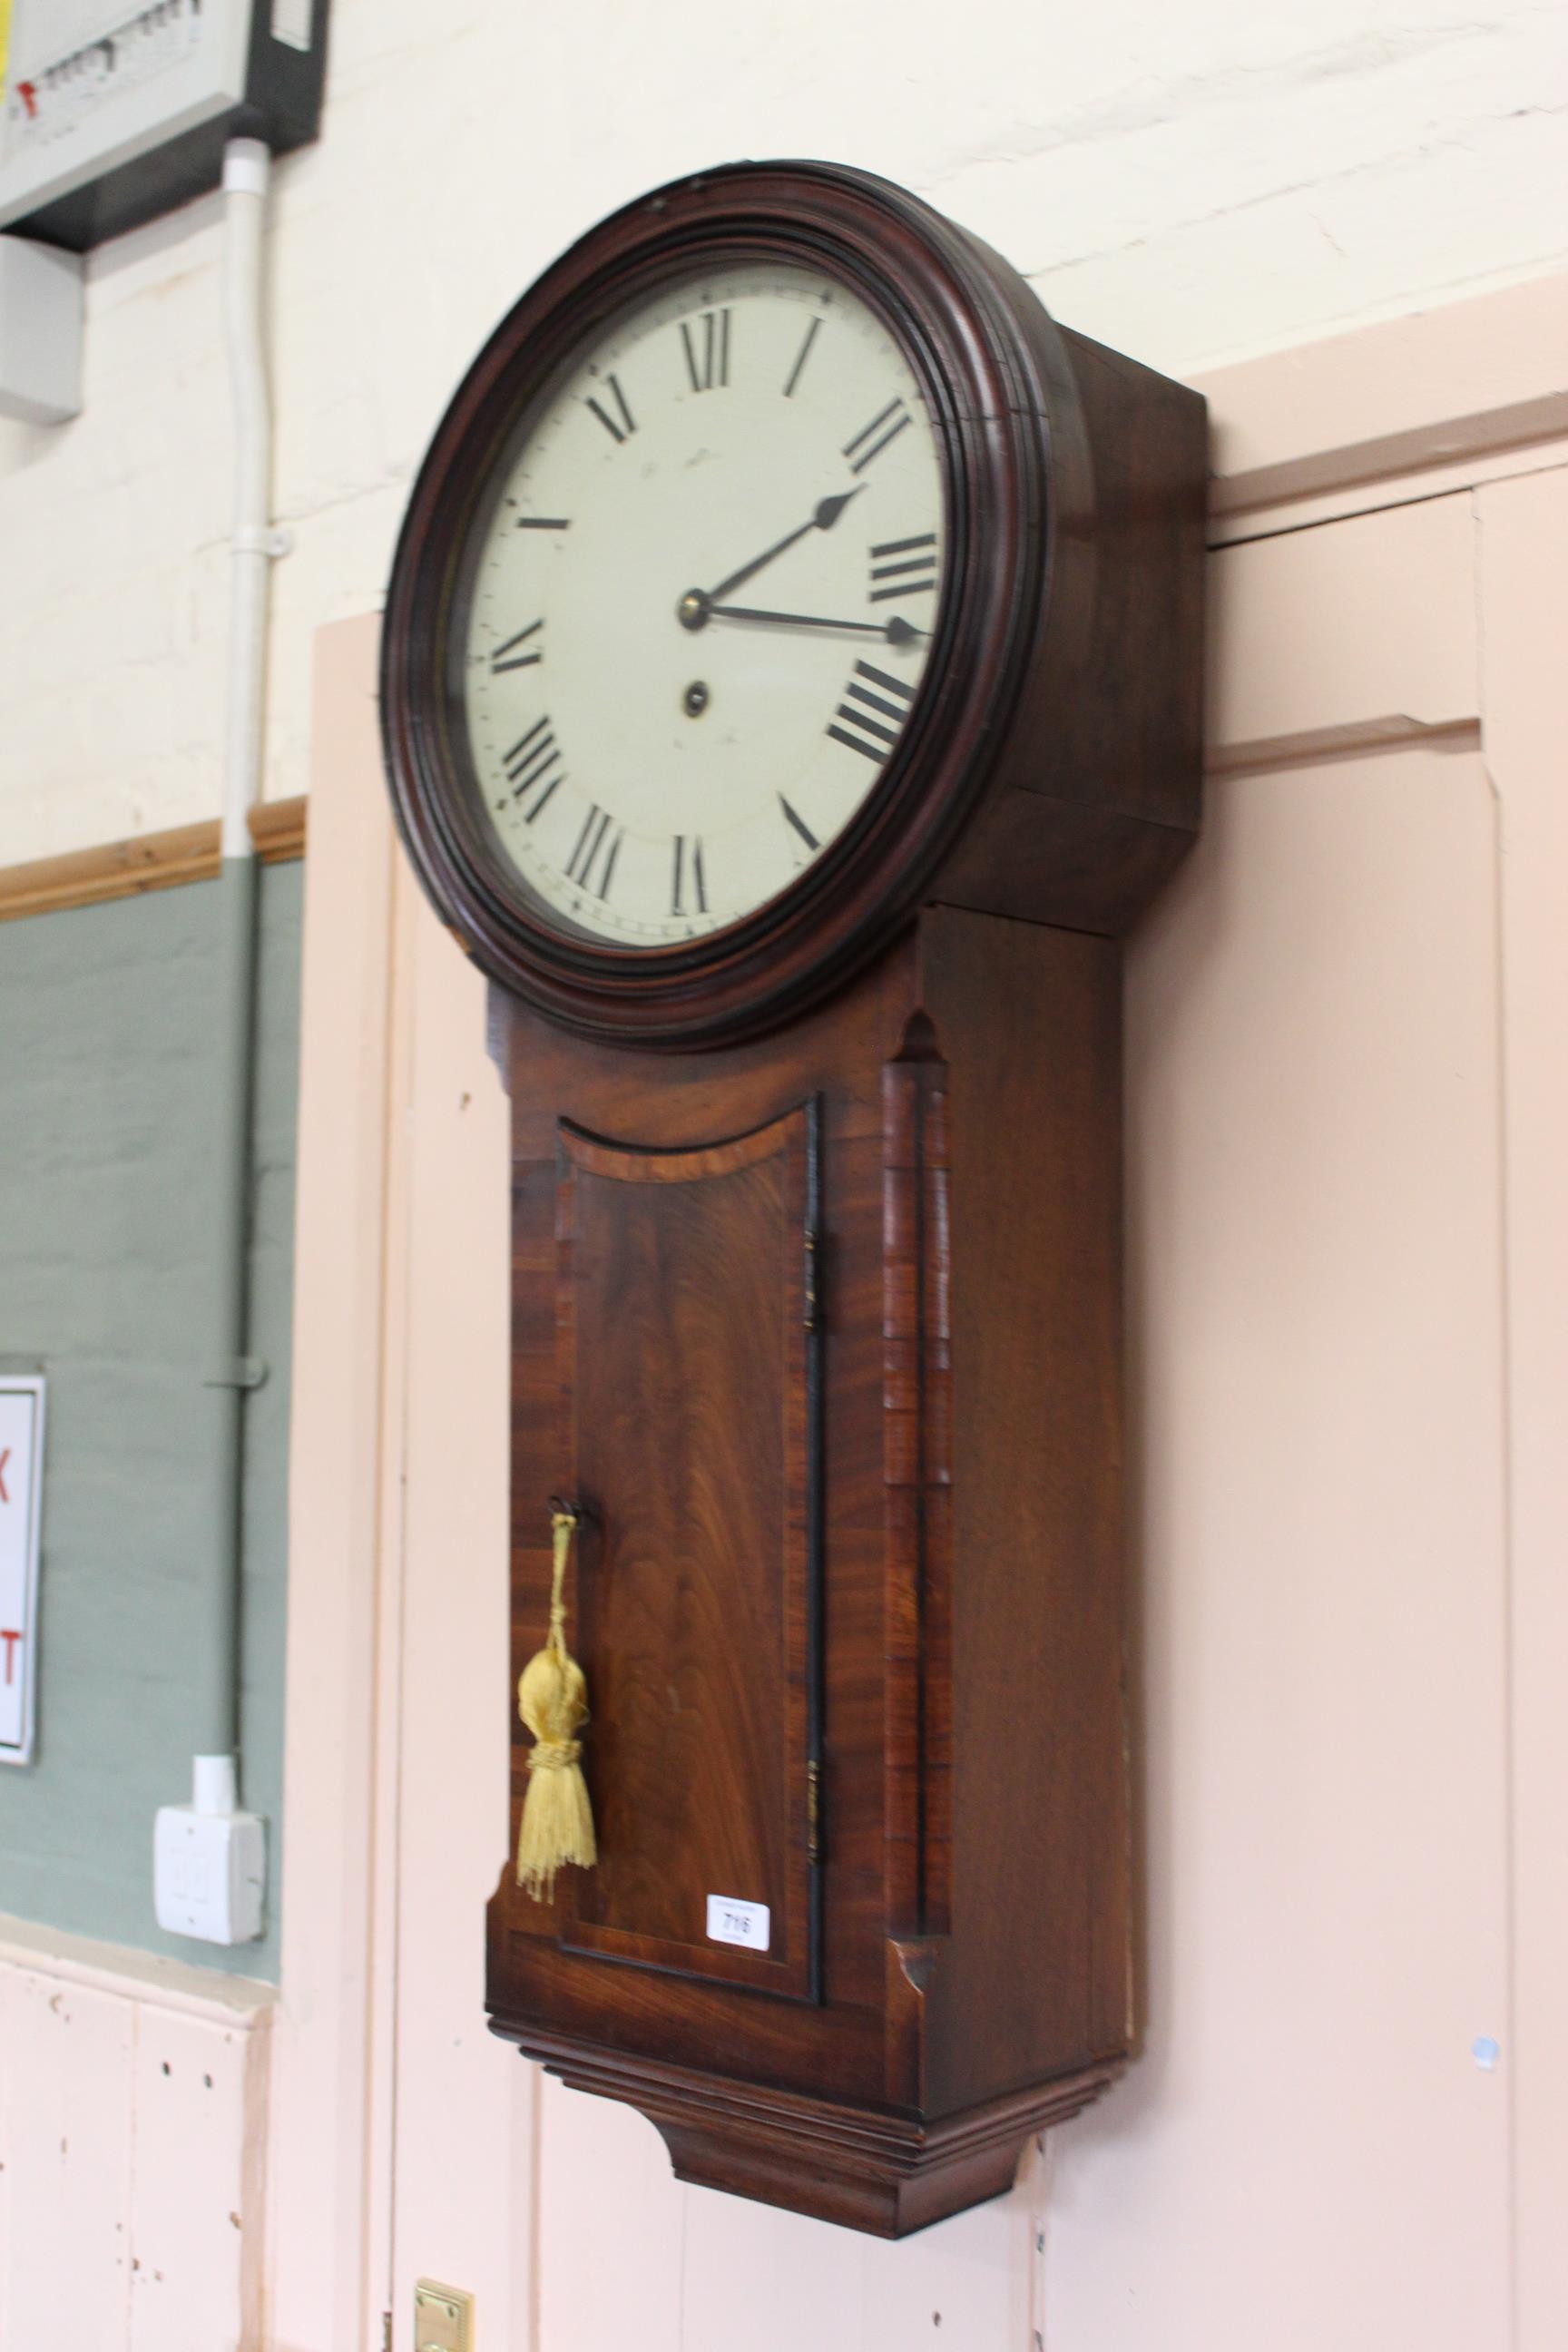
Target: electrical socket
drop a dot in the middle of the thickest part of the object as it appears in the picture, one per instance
(209, 1872)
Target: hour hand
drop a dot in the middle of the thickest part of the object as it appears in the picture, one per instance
(824, 516)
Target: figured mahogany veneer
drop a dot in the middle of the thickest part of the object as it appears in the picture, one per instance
(689, 1358)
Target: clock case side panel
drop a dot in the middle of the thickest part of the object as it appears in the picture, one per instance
(1098, 793)
(1023, 1977)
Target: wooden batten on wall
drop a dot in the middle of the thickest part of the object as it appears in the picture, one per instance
(149, 861)
(131, 2147)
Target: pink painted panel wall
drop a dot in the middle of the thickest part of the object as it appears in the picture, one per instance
(1309, 2153)
(1347, 1039)
(133, 2142)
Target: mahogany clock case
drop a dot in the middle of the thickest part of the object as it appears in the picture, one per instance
(829, 1351)
(821, 1323)
(1049, 769)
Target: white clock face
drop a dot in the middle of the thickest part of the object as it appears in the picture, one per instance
(700, 601)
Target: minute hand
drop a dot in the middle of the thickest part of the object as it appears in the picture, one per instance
(893, 633)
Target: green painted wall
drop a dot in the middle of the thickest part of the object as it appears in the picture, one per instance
(105, 1045)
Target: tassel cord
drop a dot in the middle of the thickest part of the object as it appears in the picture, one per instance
(557, 1825)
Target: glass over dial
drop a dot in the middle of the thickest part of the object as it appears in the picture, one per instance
(698, 602)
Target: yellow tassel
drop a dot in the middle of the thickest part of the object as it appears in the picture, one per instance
(553, 1700)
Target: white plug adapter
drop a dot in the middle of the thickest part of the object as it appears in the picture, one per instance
(209, 1863)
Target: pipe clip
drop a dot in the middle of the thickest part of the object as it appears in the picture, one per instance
(239, 1372)
(261, 539)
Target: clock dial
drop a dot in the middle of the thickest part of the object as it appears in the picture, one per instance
(697, 600)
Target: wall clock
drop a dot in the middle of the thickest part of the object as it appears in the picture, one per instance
(791, 693)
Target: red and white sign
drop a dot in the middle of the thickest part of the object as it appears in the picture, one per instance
(21, 1502)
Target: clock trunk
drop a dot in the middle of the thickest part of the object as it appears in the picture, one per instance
(822, 1332)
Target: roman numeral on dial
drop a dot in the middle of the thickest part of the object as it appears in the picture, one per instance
(706, 350)
(871, 700)
(793, 818)
(904, 567)
(593, 862)
(517, 653)
(691, 882)
(873, 438)
(534, 759)
(801, 357)
(621, 426)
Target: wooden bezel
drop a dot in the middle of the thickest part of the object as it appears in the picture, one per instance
(1004, 407)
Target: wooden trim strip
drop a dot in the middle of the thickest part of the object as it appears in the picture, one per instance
(277, 829)
(1454, 383)
(1523, 425)
(1354, 739)
(150, 861)
(237, 2003)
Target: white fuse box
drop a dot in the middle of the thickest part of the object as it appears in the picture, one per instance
(113, 111)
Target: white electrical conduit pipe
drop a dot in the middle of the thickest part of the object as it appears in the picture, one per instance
(246, 174)
(247, 170)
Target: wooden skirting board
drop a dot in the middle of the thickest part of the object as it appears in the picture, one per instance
(150, 861)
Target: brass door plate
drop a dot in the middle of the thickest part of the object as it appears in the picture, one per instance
(442, 2318)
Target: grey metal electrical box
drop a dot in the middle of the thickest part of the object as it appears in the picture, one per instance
(40, 332)
(115, 110)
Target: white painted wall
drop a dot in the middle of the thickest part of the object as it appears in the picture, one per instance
(1190, 181)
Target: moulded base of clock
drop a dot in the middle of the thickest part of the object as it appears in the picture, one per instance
(792, 692)
(882, 2171)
